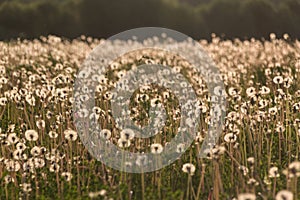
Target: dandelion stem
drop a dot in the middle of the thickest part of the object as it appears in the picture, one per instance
(143, 185)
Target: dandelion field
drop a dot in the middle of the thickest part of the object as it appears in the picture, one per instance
(257, 156)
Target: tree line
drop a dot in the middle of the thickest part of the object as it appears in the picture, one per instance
(103, 18)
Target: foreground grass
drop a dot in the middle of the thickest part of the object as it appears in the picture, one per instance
(257, 156)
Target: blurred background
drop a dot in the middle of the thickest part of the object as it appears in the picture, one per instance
(103, 18)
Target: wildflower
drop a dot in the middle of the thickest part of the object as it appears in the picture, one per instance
(272, 36)
(26, 187)
(144, 88)
(121, 74)
(84, 74)
(108, 96)
(230, 138)
(39, 162)
(190, 122)
(102, 80)
(83, 113)
(141, 160)
(273, 110)
(189, 168)
(251, 161)
(267, 181)
(17, 154)
(244, 169)
(166, 95)
(12, 138)
(262, 103)
(21, 146)
(2, 70)
(199, 138)
(296, 107)
(216, 151)
(3, 81)
(156, 148)
(180, 148)
(284, 195)
(233, 91)
(219, 91)
(96, 194)
(123, 143)
(53, 134)
(155, 102)
(100, 88)
(70, 134)
(280, 128)
(102, 192)
(31, 135)
(250, 91)
(127, 134)
(105, 133)
(8, 179)
(35, 151)
(12, 166)
(82, 98)
(293, 170)
(252, 182)
(273, 172)
(264, 90)
(23, 92)
(278, 79)
(3, 101)
(17, 98)
(30, 100)
(11, 128)
(287, 82)
(94, 117)
(142, 98)
(93, 195)
(54, 167)
(40, 124)
(128, 164)
(67, 175)
(28, 166)
(246, 196)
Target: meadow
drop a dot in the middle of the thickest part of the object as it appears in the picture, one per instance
(257, 155)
